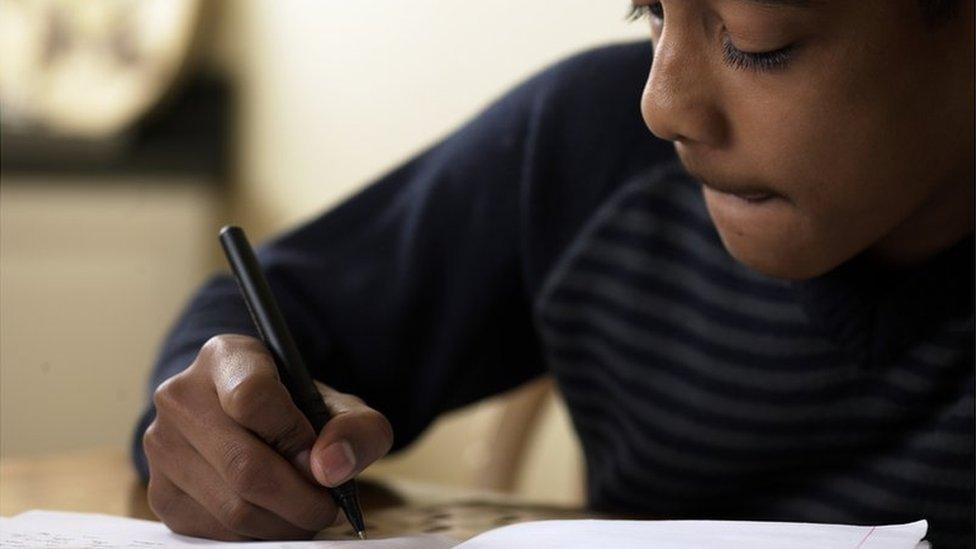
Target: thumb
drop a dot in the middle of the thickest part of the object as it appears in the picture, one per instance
(355, 437)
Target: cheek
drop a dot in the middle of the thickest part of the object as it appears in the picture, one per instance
(791, 146)
(854, 167)
(842, 149)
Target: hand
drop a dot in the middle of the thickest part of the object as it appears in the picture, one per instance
(231, 457)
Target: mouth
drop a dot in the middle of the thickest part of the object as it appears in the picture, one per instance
(753, 194)
(755, 197)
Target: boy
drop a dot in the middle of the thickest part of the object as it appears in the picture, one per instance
(764, 312)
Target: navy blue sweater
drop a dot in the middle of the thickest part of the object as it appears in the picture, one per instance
(554, 234)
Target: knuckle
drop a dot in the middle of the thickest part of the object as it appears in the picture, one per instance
(248, 398)
(169, 394)
(161, 501)
(237, 514)
(245, 473)
(225, 344)
(157, 499)
(216, 346)
(152, 446)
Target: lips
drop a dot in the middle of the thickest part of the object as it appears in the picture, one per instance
(745, 191)
(743, 188)
(753, 196)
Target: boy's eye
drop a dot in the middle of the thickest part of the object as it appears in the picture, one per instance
(759, 61)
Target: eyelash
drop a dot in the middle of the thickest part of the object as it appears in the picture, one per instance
(765, 61)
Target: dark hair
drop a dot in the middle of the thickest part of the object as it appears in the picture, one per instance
(937, 11)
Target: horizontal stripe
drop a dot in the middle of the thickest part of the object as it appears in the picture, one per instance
(601, 289)
(674, 452)
(725, 450)
(854, 500)
(864, 498)
(705, 430)
(917, 471)
(611, 343)
(666, 246)
(716, 308)
(669, 226)
(680, 474)
(674, 209)
(946, 507)
(937, 356)
(665, 397)
(744, 352)
(948, 487)
(677, 189)
(639, 350)
(678, 273)
(633, 470)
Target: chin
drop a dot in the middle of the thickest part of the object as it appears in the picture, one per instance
(787, 262)
(769, 237)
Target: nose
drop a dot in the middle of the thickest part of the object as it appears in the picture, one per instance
(679, 100)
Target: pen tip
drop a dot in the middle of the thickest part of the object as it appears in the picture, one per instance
(361, 534)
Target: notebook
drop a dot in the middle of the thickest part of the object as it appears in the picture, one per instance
(54, 529)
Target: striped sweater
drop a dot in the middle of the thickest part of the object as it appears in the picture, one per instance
(553, 234)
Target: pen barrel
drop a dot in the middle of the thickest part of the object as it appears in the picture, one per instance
(277, 338)
(311, 405)
(271, 326)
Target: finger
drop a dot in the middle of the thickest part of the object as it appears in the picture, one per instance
(182, 514)
(193, 476)
(355, 437)
(250, 392)
(255, 472)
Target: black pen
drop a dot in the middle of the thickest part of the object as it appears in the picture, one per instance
(291, 368)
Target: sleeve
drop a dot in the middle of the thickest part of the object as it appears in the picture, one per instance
(411, 294)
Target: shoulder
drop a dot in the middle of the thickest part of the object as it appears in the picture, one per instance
(601, 68)
(605, 80)
(585, 139)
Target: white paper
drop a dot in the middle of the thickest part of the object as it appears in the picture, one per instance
(685, 534)
(53, 529)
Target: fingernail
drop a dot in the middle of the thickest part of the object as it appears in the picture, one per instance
(335, 464)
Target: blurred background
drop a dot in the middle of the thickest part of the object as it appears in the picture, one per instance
(131, 130)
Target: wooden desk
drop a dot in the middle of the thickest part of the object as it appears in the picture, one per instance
(103, 481)
(93, 481)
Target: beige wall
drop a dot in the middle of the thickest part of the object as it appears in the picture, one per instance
(91, 274)
(332, 93)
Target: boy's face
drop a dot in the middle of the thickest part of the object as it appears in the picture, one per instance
(819, 128)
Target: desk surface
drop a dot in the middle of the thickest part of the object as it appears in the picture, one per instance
(103, 481)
